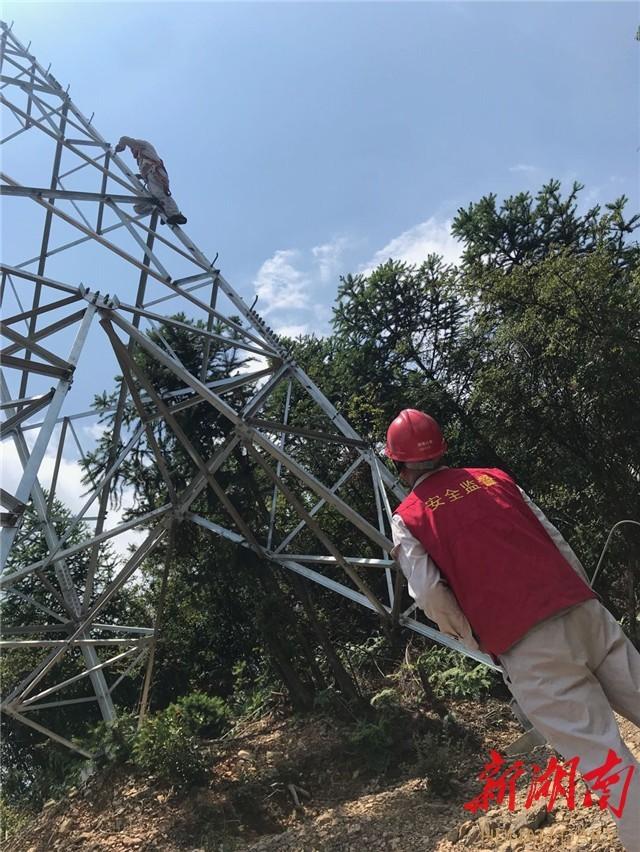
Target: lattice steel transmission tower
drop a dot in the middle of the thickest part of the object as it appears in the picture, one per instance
(69, 204)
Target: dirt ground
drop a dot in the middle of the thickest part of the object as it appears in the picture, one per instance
(291, 785)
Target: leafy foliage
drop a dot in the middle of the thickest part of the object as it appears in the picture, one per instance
(454, 676)
(372, 740)
(528, 352)
(166, 744)
(437, 754)
(205, 715)
(166, 747)
(11, 820)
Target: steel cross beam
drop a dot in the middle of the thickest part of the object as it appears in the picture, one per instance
(95, 201)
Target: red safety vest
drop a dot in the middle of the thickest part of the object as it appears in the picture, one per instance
(503, 568)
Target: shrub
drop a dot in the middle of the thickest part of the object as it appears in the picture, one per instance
(252, 688)
(436, 755)
(387, 702)
(454, 676)
(166, 747)
(12, 820)
(165, 744)
(373, 740)
(114, 740)
(364, 656)
(206, 715)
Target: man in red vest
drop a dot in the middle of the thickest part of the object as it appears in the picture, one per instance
(489, 568)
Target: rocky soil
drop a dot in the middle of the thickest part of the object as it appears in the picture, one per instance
(291, 785)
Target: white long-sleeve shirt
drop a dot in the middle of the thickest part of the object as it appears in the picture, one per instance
(431, 592)
(146, 155)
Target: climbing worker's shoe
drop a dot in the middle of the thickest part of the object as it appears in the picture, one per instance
(178, 219)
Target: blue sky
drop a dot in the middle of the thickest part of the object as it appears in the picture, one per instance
(304, 140)
(308, 140)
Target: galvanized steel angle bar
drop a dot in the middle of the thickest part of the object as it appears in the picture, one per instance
(29, 343)
(10, 502)
(316, 508)
(315, 528)
(101, 484)
(23, 127)
(37, 453)
(71, 221)
(199, 332)
(46, 232)
(274, 496)
(179, 432)
(36, 278)
(25, 413)
(103, 189)
(86, 673)
(126, 221)
(117, 423)
(83, 457)
(48, 705)
(27, 366)
(121, 628)
(199, 483)
(8, 579)
(41, 309)
(213, 298)
(220, 386)
(53, 643)
(135, 662)
(261, 396)
(48, 732)
(247, 432)
(125, 573)
(26, 87)
(37, 605)
(79, 212)
(322, 491)
(284, 428)
(126, 363)
(27, 629)
(59, 137)
(72, 244)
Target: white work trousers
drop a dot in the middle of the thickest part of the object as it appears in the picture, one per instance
(156, 186)
(567, 674)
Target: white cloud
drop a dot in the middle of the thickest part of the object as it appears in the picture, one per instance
(523, 167)
(292, 330)
(280, 285)
(96, 430)
(69, 490)
(295, 287)
(413, 245)
(592, 196)
(328, 257)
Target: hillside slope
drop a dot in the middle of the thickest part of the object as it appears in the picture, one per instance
(344, 803)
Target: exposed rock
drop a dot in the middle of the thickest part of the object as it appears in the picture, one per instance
(65, 825)
(531, 819)
(487, 826)
(472, 835)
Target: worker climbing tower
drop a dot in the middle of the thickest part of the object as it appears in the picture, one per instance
(86, 280)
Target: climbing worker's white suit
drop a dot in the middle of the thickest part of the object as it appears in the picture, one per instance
(154, 174)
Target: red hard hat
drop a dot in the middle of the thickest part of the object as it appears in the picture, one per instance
(414, 436)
